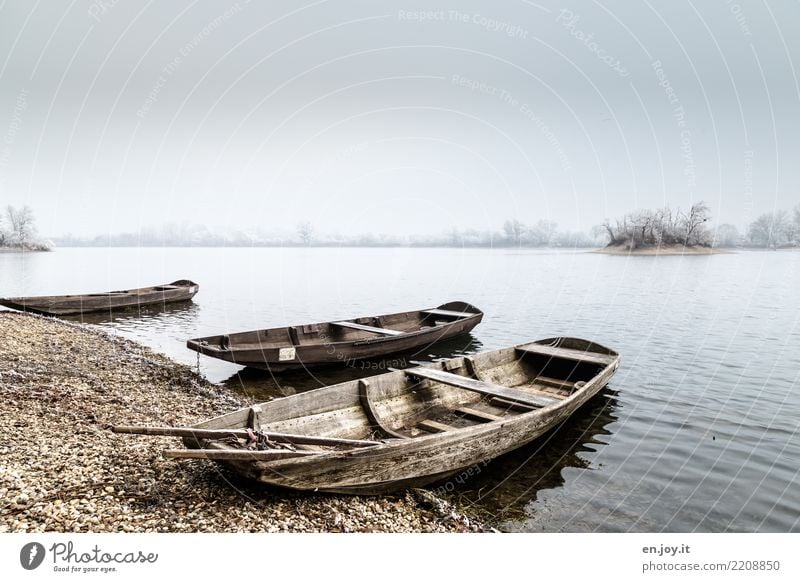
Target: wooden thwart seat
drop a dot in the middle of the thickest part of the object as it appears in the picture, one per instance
(567, 354)
(555, 383)
(509, 405)
(433, 426)
(477, 414)
(369, 328)
(448, 313)
(481, 387)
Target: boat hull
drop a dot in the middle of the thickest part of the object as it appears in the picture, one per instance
(58, 305)
(328, 350)
(402, 462)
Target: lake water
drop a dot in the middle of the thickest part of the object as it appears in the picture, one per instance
(698, 430)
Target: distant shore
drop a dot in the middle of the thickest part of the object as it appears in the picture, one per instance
(61, 470)
(661, 250)
(25, 249)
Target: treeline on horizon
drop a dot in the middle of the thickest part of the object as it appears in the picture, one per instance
(513, 234)
(643, 228)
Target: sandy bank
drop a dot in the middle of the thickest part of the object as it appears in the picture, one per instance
(661, 251)
(25, 250)
(62, 385)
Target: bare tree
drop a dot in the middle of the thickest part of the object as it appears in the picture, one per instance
(305, 230)
(574, 240)
(22, 225)
(694, 225)
(542, 233)
(727, 236)
(610, 232)
(770, 230)
(797, 216)
(667, 233)
(640, 223)
(794, 228)
(661, 226)
(514, 230)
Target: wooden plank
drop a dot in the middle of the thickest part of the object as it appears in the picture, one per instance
(369, 328)
(509, 405)
(478, 414)
(554, 383)
(481, 387)
(568, 354)
(212, 433)
(234, 455)
(449, 313)
(207, 434)
(433, 426)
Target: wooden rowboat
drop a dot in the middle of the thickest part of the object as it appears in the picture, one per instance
(340, 342)
(182, 290)
(407, 427)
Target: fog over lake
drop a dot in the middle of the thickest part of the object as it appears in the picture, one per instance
(392, 118)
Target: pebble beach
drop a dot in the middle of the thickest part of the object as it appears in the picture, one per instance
(64, 385)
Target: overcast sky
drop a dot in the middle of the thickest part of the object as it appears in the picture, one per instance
(396, 117)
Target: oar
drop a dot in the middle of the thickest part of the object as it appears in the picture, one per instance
(213, 433)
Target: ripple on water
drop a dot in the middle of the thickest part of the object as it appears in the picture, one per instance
(697, 431)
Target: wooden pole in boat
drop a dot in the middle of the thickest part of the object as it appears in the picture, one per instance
(212, 434)
(237, 455)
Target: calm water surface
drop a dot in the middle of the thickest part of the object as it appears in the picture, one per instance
(698, 431)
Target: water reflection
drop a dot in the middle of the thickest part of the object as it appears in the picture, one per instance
(137, 315)
(259, 385)
(706, 438)
(505, 490)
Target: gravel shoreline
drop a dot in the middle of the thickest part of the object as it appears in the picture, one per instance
(62, 470)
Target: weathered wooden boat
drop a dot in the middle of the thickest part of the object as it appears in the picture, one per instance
(407, 427)
(340, 342)
(181, 290)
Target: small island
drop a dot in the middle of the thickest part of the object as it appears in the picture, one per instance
(661, 232)
(672, 232)
(660, 250)
(18, 231)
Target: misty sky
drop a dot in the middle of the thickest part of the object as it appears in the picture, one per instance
(396, 117)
